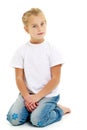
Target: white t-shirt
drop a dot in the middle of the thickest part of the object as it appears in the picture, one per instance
(36, 60)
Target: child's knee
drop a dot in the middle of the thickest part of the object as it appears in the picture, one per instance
(17, 117)
(33, 119)
(36, 120)
(13, 119)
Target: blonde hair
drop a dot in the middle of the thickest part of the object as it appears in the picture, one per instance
(27, 14)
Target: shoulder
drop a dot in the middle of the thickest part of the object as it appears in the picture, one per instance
(53, 48)
(22, 49)
(18, 57)
(56, 56)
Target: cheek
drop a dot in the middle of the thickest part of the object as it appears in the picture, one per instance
(34, 33)
(44, 28)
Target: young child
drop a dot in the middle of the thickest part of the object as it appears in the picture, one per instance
(37, 69)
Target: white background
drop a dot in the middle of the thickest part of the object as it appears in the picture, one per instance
(67, 29)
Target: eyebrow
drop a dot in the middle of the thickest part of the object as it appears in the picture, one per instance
(36, 23)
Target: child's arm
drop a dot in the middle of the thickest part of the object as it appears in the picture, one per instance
(52, 84)
(19, 73)
(30, 100)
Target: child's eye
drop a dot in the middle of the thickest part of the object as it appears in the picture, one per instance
(42, 24)
(34, 26)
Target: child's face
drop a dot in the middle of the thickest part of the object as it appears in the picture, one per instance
(36, 27)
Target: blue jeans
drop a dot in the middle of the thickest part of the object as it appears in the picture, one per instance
(46, 113)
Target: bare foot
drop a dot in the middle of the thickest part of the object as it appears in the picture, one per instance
(66, 110)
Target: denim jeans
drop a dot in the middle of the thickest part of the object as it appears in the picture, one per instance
(46, 113)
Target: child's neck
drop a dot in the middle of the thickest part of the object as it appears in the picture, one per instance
(36, 41)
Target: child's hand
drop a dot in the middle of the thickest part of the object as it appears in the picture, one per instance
(31, 102)
(31, 107)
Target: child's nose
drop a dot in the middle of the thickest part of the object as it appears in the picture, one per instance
(39, 28)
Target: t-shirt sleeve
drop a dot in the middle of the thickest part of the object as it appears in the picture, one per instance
(17, 60)
(56, 57)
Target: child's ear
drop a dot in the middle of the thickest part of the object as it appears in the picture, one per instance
(26, 29)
